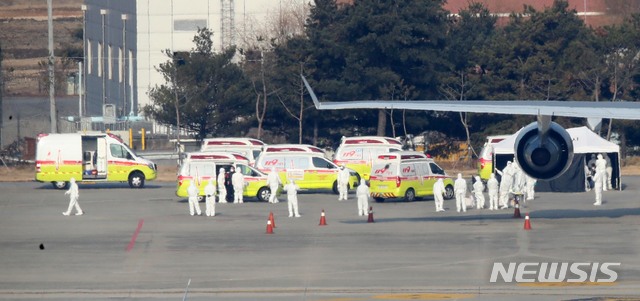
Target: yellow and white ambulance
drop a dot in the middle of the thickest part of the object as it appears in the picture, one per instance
(89, 158)
(408, 175)
(359, 153)
(248, 147)
(310, 169)
(485, 162)
(202, 166)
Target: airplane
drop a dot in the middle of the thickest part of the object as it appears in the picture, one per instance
(543, 149)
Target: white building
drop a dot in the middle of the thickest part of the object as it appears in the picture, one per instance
(125, 40)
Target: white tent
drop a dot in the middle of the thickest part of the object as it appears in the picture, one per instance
(585, 143)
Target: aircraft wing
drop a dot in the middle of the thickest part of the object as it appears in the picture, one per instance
(585, 109)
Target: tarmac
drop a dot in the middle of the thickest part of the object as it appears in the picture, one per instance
(142, 244)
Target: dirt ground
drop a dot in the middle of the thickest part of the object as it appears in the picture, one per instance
(168, 173)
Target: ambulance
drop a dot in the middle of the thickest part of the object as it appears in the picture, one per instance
(248, 147)
(406, 174)
(310, 170)
(203, 166)
(358, 153)
(485, 162)
(89, 158)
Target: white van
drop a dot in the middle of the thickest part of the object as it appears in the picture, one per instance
(303, 148)
(358, 153)
(202, 166)
(248, 147)
(89, 158)
(310, 170)
(408, 175)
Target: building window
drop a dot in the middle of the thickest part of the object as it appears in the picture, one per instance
(99, 59)
(89, 57)
(110, 63)
(120, 65)
(189, 24)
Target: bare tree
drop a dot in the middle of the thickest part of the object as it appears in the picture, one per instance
(455, 90)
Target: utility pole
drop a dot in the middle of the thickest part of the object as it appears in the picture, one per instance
(52, 92)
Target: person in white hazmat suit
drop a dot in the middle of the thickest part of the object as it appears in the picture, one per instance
(519, 179)
(598, 187)
(460, 189)
(343, 183)
(438, 194)
(194, 206)
(237, 180)
(478, 192)
(273, 180)
(222, 190)
(505, 185)
(493, 187)
(362, 192)
(530, 187)
(601, 168)
(292, 198)
(210, 198)
(74, 194)
(609, 171)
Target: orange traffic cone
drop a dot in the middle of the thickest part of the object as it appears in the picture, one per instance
(516, 211)
(370, 220)
(323, 220)
(527, 222)
(269, 227)
(273, 221)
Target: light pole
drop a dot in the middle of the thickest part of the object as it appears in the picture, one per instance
(83, 98)
(124, 65)
(52, 98)
(103, 60)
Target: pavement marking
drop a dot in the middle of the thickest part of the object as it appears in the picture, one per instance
(562, 284)
(427, 296)
(135, 236)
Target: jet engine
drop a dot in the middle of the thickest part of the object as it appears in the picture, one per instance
(544, 150)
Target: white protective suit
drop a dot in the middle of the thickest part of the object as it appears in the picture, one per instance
(530, 187)
(292, 198)
(343, 183)
(222, 191)
(601, 168)
(362, 192)
(194, 206)
(493, 187)
(237, 180)
(273, 180)
(438, 194)
(460, 189)
(478, 192)
(599, 179)
(74, 194)
(505, 184)
(609, 170)
(519, 179)
(210, 198)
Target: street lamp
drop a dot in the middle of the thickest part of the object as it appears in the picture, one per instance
(103, 12)
(83, 98)
(123, 64)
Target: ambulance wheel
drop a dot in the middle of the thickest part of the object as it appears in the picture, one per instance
(379, 200)
(263, 194)
(448, 192)
(59, 184)
(136, 180)
(335, 187)
(410, 195)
